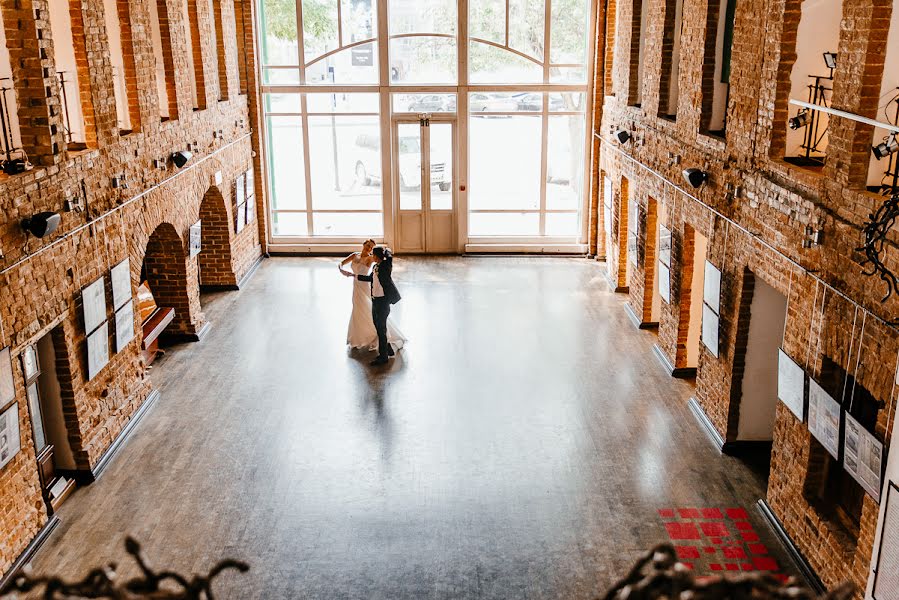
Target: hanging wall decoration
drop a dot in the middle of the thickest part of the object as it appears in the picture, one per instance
(124, 326)
(97, 350)
(632, 232)
(94, 300)
(10, 443)
(791, 384)
(121, 283)
(863, 457)
(711, 306)
(7, 383)
(824, 415)
(664, 269)
(195, 238)
(879, 224)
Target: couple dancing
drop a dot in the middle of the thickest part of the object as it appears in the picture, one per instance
(373, 294)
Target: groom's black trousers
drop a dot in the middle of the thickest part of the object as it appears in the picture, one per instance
(380, 310)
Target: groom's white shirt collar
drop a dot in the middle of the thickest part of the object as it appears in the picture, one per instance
(377, 290)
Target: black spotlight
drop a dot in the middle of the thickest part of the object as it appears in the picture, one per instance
(800, 120)
(830, 60)
(888, 146)
(41, 224)
(695, 177)
(622, 136)
(181, 157)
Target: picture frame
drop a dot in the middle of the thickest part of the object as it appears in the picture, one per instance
(97, 350)
(249, 184)
(121, 283)
(10, 440)
(711, 289)
(710, 325)
(791, 384)
(7, 381)
(665, 246)
(824, 418)
(240, 190)
(93, 298)
(30, 366)
(664, 282)
(124, 326)
(240, 217)
(863, 457)
(195, 239)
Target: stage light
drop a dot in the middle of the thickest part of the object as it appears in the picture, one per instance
(888, 146)
(801, 119)
(181, 157)
(41, 224)
(695, 177)
(622, 136)
(830, 59)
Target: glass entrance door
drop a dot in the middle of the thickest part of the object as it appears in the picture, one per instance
(424, 172)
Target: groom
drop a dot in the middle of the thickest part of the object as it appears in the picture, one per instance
(383, 294)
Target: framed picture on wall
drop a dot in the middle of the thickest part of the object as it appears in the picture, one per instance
(251, 210)
(195, 238)
(121, 283)
(711, 291)
(664, 283)
(863, 457)
(824, 417)
(249, 184)
(97, 350)
(124, 326)
(30, 367)
(10, 443)
(710, 324)
(240, 190)
(665, 246)
(7, 383)
(93, 298)
(791, 384)
(240, 217)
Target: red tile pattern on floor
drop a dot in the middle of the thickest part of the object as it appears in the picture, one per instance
(713, 540)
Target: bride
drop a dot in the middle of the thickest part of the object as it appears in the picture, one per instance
(361, 333)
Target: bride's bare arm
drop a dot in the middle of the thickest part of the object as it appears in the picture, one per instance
(344, 262)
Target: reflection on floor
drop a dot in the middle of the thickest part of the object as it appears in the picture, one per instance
(524, 444)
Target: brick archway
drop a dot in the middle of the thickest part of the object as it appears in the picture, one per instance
(216, 268)
(165, 271)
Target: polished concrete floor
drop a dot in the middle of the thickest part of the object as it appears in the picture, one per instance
(521, 446)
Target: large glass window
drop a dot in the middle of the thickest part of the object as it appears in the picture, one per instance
(334, 76)
(336, 191)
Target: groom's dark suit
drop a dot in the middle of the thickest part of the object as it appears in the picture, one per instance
(387, 294)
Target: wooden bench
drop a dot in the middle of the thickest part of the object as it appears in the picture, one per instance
(154, 325)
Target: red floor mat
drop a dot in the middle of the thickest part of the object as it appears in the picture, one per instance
(714, 540)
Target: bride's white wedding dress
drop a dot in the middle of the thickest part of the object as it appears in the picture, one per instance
(362, 333)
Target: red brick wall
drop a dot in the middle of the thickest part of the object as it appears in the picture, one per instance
(42, 279)
(776, 203)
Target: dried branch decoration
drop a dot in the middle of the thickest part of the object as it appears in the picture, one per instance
(658, 575)
(101, 583)
(875, 232)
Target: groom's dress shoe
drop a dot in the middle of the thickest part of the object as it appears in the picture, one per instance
(378, 361)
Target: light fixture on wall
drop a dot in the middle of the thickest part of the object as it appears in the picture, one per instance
(801, 119)
(695, 177)
(888, 146)
(830, 59)
(181, 157)
(41, 224)
(622, 136)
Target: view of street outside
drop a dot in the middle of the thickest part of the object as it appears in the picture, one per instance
(524, 179)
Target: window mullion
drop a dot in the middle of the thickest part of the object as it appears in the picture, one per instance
(544, 136)
(301, 46)
(547, 39)
(306, 165)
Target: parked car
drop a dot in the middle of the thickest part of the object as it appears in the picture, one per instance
(368, 163)
(533, 102)
(490, 103)
(433, 103)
